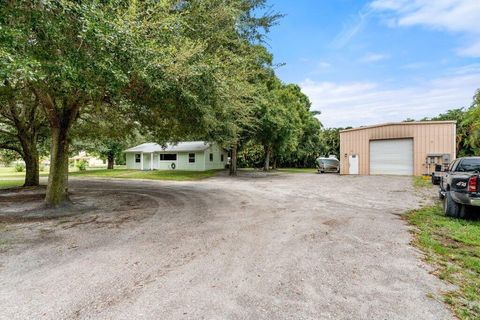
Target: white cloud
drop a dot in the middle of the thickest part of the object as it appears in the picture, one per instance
(352, 28)
(466, 69)
(356, 104)
(458, 16)
(374, 57)
(472, 50)
(324, 65)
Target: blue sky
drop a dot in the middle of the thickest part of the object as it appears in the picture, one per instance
(365, 62)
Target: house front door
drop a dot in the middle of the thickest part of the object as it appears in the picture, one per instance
(146, 163)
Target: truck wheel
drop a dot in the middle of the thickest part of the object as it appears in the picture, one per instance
(451, 208)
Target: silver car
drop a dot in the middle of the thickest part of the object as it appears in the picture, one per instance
(328, 165)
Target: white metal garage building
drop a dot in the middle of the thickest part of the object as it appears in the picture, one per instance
(405, 148)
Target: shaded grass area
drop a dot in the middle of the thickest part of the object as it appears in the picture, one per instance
(4, 183)
(177, 175)
(298, 170)
(10, 173)
(9, 178)
(452, 246)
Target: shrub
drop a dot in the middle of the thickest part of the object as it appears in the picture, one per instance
(19, 167)
(81, 165)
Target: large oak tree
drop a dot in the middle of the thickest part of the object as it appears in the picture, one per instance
(22, 129)
(169, 59)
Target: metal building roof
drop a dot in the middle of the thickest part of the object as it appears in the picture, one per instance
(185, 146)
(399, 124)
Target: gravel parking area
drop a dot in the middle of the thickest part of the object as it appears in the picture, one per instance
(281, 246)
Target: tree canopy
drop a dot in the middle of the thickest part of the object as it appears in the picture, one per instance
(183, 68)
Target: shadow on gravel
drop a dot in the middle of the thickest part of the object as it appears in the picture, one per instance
(26, 205)
(92, 206)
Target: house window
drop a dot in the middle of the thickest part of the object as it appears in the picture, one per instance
(221, 157)
(137, 158)
(168, 157)
(211, 157)
(191, 157)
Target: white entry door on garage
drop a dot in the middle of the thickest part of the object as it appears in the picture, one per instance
(391, 156)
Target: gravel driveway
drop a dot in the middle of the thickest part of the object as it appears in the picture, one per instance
(285, 246)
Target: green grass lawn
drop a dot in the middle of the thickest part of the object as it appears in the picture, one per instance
(452, 246)
(10, 183)
(153, 175)
(10, 178)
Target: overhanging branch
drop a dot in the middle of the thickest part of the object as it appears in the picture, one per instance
(12, 148)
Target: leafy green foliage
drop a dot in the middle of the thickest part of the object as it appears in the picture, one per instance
(106, 133)
(209, 69)
(22, 128)
(472, 124)
(330, 142)
(81, 165)
(71, 57)
(286, 128)
(251, 155)
(19, 167)
(7, 157)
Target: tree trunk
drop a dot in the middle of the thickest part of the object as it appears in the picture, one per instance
(32, 170)
(29, 155)
(57, 189)
(274, 164)
(233, 161)
(266, 165)
(60, 119)
(110, 161)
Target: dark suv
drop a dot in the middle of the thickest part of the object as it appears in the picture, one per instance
(460, 187)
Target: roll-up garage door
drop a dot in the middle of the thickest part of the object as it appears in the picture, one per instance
(391, 157)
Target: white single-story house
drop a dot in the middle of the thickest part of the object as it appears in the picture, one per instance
(91, 160)
(188, 156)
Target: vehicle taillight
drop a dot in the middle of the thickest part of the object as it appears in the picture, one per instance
(473, 184)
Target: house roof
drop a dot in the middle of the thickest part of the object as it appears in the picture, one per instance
(400, 124)
(185, 146)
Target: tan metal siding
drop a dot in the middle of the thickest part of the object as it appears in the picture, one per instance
(428, 137)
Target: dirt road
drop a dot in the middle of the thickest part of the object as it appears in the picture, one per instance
(288, 246)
